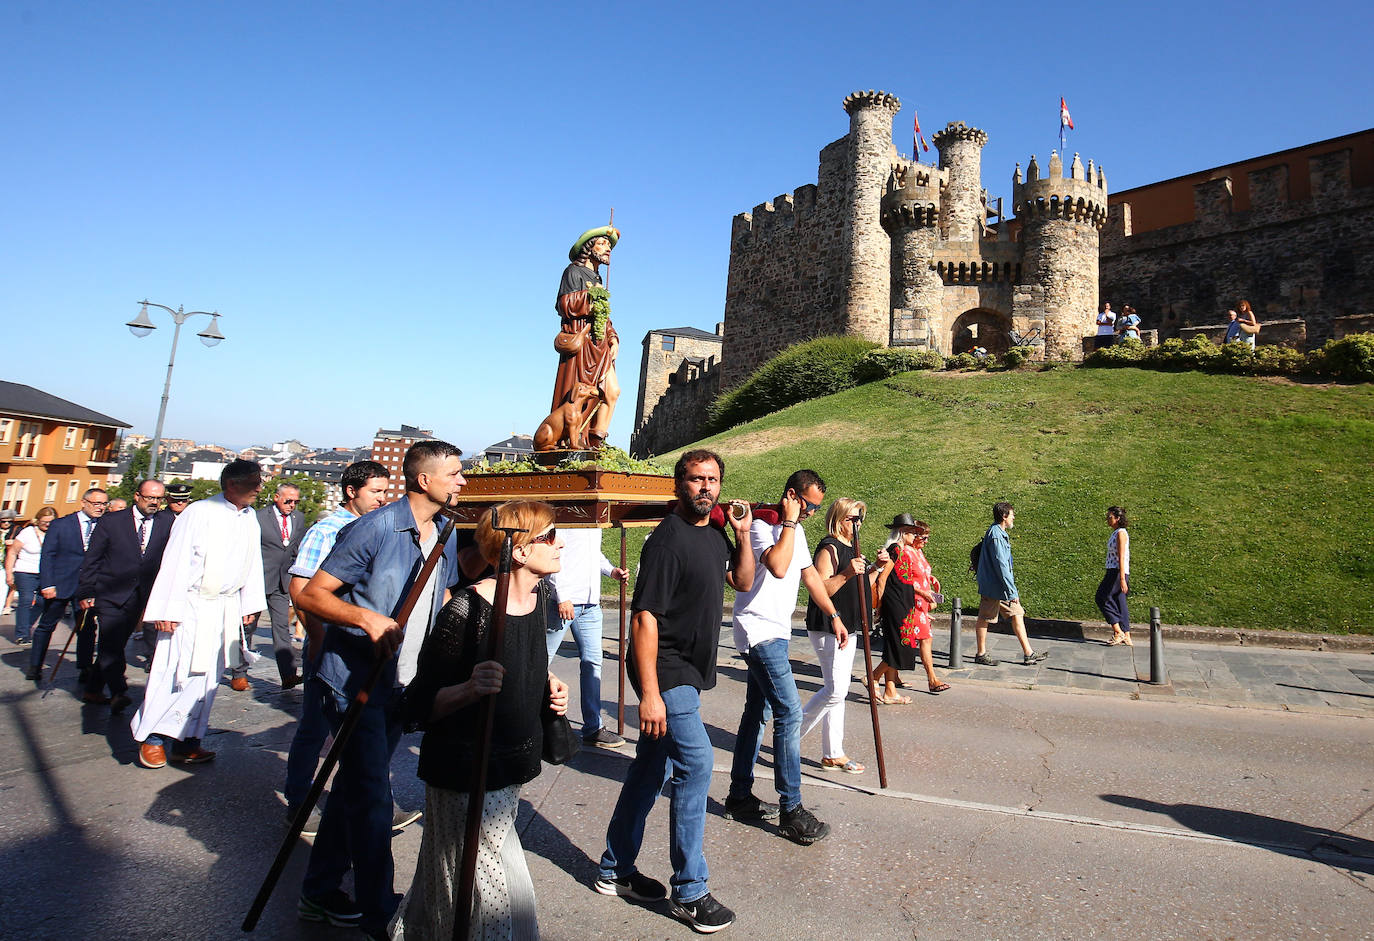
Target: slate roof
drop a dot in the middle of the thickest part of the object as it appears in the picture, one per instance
(26, 401)
(513, 443)
(692, 332)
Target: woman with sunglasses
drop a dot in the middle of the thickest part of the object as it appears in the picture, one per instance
(21, 573)
(840, 566)
(1115, 584)
(444, 698)
(908, 594)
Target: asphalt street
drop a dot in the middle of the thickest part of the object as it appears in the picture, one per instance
(1068, 800)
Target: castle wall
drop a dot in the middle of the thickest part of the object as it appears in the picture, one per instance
(656, 364)
(675, 417)
(1308, 258)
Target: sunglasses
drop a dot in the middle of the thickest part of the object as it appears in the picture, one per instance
(546, 538)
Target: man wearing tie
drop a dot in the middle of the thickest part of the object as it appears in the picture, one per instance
(64, 549)
(283, 528)
(118, 573)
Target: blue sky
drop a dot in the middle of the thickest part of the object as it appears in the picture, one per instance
(379, 197)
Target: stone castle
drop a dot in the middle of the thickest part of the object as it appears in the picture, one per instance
(910, 254)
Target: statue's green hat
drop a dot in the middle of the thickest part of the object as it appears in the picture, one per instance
(609, 231)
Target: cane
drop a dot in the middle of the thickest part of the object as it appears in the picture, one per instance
(350, 721)
(865, 615)
(80, 626)
(477, 795)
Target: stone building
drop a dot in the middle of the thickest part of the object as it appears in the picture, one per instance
(908, 254)
(679, 375)
(1287, 231)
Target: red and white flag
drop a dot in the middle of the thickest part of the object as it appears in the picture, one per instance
(1064, 119)
(917, 136)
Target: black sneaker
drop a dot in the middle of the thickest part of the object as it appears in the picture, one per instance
(984, 660)
(705, 915)
(603, 738)
(334, 907)
(1033, 658)
(801, 826)
(635, 886)
(749, 809)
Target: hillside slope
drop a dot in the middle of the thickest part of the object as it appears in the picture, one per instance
(1250, 499)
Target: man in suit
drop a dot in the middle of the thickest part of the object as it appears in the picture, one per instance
(283, 528)
(64, 549)
(116, 577)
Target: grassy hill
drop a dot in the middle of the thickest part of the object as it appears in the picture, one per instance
(1250, 499)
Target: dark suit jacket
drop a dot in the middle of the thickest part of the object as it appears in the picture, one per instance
(114, 571)
(277, 558)
(63, 552)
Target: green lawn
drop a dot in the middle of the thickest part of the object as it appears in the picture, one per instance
(1249, 498)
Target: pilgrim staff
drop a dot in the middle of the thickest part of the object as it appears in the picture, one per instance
(866, 609)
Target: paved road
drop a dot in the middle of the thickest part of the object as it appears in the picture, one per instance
(1020, 805)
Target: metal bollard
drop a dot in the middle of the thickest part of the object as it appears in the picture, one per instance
(1157, 674)
(956, 648)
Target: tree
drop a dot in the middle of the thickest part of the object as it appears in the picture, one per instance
(134, 475)
(312, 495)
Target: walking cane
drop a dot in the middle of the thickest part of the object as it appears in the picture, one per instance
(80, 626)
(477, 795)
(866, 615)
(350, 722)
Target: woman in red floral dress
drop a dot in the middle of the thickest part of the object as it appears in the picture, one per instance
(908, 595)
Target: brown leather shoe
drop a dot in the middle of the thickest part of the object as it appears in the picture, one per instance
(291, 681)
(239, 684)
(152, 756)
(192, 756)
(95, 699)
(119, 703)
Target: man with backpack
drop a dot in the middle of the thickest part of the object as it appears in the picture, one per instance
(997, 588)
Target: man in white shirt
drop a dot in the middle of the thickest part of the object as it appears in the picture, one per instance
(577, 591)
(208, 587)
(763, 628)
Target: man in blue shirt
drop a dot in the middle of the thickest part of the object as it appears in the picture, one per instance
(357, 592)
(997, 586)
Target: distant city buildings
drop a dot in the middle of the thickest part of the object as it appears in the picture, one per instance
(51, 450)
(515, 448)
(389, 449)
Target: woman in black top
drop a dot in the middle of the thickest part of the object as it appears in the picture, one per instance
(839, 564)
(444, 696)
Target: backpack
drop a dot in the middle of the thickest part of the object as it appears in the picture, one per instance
(974, 555)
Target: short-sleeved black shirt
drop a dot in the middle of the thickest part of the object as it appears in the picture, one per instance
(681, 582)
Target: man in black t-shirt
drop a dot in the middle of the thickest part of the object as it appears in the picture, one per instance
(677, 607)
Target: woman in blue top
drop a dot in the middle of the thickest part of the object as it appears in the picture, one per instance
(1115, 585)
(1129, 324)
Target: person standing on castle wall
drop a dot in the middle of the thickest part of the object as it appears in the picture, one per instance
(1249, 324)
(587, 347)
(1233, 333)
(1128, 325)
(1106, 327)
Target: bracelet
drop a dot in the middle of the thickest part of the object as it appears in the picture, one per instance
(789, 524)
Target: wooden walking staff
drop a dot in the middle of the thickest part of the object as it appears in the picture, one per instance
(76, 629)
(477, 795)
(866, 616)
(350, 722)
(620, 655)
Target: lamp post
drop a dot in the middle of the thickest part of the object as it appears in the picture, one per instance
(141, 326)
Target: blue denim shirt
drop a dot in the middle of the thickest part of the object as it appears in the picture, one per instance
(377, 557)
(994, 566)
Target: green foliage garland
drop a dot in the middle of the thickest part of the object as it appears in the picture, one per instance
(601, 310)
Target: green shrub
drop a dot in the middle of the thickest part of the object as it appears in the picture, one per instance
(1235, 358)
(1350, 358)
(804, 371)
(881, 363)
(1175, 354)
(1278, 361)
(1121, 353)
(1016, 357)
(966, 361)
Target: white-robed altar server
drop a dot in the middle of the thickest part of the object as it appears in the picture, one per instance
(208, 587)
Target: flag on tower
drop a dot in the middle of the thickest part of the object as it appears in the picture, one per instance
(1064, 121)
(917, 136)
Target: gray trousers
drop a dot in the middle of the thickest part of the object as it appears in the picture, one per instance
(283, 643)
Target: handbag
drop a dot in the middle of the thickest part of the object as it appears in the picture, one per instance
(560, 742)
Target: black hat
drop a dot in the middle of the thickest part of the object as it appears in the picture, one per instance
(178, 491)
(902, 521)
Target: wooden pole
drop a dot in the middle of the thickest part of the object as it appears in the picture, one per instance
(620, 696)
(866, 614)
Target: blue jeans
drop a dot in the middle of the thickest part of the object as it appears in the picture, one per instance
(26, 591)
(311, 732)
(770, 689)
(586, 628)
(683, 759)
(355, 829)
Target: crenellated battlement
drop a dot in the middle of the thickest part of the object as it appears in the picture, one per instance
(911, 198)
(782, 213)
(1079, 197)
(859, 100)
(958, 131)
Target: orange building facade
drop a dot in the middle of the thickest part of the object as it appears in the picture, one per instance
(51, 450)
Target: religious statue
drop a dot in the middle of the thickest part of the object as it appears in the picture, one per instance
(585, 388)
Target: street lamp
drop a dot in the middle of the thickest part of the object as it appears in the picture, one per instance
(141, 326)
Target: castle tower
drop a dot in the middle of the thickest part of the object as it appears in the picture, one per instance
(865, 309)
(961, 157)
(910, 214)
(1060, 220)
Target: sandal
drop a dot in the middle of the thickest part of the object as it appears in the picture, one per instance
(1126, 639)
(1117, 641)
(847, 765)
(939, 687)
(898, 700)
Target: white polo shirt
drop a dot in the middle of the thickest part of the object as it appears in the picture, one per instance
(764, 612)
